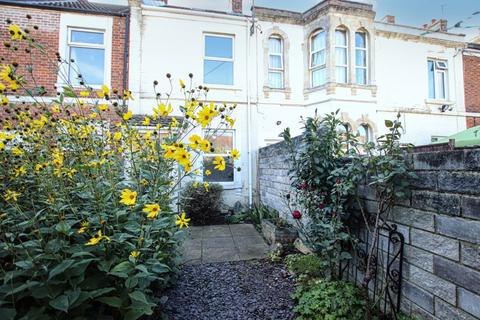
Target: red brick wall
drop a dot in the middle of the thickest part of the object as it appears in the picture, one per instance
(237, 6)
(48, 22)
(471, 69)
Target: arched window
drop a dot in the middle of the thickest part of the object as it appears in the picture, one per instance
(361, 58)
(341, 56)
(275, 62)
(318, 47)
(364, 133)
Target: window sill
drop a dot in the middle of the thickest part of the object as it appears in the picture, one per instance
(222, 87)
(439, 102)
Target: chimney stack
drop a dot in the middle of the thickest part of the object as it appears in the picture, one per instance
(237, 6)
(437, 25)
(389, 19)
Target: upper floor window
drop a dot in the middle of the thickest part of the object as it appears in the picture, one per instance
(365, 133)
(222, 143)
(341, 56)
(437, 79)
(361, 58)
(318, 46)
(218, 60)
(275, 62)
(86, 48)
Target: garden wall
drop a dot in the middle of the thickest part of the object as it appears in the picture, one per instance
(440, 223)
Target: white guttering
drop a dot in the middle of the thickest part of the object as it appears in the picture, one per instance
(193, 12)
(249, 117)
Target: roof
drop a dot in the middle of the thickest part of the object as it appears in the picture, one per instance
(71, 5)
(137, 120)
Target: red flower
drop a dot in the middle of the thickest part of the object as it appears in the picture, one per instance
(338, 181)
(303, 186)
(296, 214)
(321, 205)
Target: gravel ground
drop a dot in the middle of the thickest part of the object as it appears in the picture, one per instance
(244, 290)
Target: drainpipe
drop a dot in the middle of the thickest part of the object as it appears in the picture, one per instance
(249, 118)
(125, 50)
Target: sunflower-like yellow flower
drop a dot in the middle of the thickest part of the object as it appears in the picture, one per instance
(4, 100)
(14, 85)
(235, 154)
(208, 172)
(195, 184)
(206, 115)
(205, 145)
(103, 107)
(135, 254)
(152, 210)
(219, 163)
(128, 197)
(84, 93)
(104, 93)
(11, 195)
(146, 121)
(127, 116)
(15, 32)
(20, 171)
(174, 122)
(3, 87)
(162, 110)
(93, 115)
(96, 239)
(17, 151)
(230, 121)
(117, 136)
(84, 226)
(182, 220)
(6, 74)
(127, 95)
(182, 83)
(195, 141)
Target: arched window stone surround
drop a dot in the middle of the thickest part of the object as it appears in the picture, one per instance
(365, 119)
(276, 31)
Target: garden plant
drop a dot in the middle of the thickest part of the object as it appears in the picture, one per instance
(87, 222)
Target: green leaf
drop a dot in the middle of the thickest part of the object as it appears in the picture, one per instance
(24, 264)
(7, 313)
(131, 282)
(62, 227)
(100, 292)
(64, 265)
(115, 302)
(60, 303)
(122, 267)
(22, 287)
(68, 92)
(139, 297)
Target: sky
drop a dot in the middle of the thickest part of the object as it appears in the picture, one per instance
(408, 12)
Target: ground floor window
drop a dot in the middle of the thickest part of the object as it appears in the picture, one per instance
(222, 143)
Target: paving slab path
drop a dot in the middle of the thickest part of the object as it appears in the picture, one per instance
(222, 243)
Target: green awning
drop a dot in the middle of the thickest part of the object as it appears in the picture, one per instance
(467, 138)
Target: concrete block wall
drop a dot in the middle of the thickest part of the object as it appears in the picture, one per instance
(440, 222)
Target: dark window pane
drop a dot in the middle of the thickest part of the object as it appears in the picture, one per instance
(218, 72)
(219, 47)
(431, 80)
(87, 37)
(218, 176)
(90, 63)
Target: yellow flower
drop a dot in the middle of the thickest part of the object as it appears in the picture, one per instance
(11, 195)
(135, 254)
(208, 172)
(152, 210)
(206, 115)
(128, 197)
(14, 85)
(104, 92)
(2, 145)
(103, 107)
(230, 121)
(182, 220)
(146, 121)
(127, 116)
(4, 101)
(17, 151)
(174, 122)
(127, 95)
(206, 185)
(195, 141)
(84, 226)
(163, 110)
(205, 145)
(15, 32)
(117, 136)
(6, 74)
(182, 84)
(2, 87)
(96, 239)
(195, 184)
(93, 115)
(219, 163)
(235, 154)
(20, 171)
(56, 109)
(84, 93)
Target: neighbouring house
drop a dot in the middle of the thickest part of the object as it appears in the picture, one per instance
(279, 65)
(94, 34)
(471, 73)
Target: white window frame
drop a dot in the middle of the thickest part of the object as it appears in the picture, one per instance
(232, 60)
(71, 44)
(72, 21)
(280, 70)
(439, 66)
(312, 68)
(366, 67)
(227, 184)
(345, 66)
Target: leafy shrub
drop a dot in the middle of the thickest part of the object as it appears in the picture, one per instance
(86, 220)
(308, 265)
(202, 204)
(329, 300)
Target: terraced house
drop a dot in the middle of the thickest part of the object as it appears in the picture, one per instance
(275, 65)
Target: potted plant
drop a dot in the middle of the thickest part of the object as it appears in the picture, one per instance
(276, 229)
